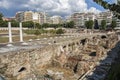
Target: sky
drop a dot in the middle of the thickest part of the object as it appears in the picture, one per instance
(52, 7)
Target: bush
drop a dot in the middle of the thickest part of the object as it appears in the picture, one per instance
(59, 31)
(37, 32)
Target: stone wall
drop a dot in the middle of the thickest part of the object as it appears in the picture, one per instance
(65, 61)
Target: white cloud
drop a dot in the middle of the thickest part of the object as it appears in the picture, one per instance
(61, 7)
(94, 10)
(4, 4)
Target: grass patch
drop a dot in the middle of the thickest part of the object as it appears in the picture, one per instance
(3, 39)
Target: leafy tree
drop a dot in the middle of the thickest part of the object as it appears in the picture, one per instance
(113, 24)
(103, 24)
(96, 24)
(38, 26)
(1, 15)
(115, 8)
(3, 23)
(28, 24)
(89, 24)
(14, 23)
(69, 24)
(45, 25)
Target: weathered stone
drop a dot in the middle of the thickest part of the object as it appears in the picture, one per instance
(73, 56)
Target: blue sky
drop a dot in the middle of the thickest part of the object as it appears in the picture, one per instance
(52, 7)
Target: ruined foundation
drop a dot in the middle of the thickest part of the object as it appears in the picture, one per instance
(66, 61)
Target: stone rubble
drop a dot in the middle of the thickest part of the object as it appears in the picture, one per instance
(87, 58)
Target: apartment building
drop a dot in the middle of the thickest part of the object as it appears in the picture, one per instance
(107, 15)
(80, 18)
(56, 20)
(38, 17)
(28, 16)
(19, 16)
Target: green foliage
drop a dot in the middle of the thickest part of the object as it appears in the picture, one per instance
(45, 25)
(37, 32)
(3, 23)
(38, 26)
(115, 8)
(52, 31)
(59, 31)
(103, 24)
(96, 26)
(15, 24)
(113, 24)
(1, 15)
(31, 31)
(28, 24)
(89, 24)
(69, 24)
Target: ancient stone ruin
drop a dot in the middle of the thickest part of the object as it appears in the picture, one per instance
(69, 60)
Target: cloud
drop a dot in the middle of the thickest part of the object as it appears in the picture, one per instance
(53, 7)
(5, 4)
(94, 10)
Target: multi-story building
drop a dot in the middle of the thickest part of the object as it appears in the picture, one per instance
(80, 18)
(38, 17)
(28, 16)
(19, 16)
(56, 20)
(107, 15)
(23, 16)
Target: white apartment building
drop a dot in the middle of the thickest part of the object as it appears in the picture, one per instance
(80, 18)
(56, 20)
(107, 15)
(38, 17)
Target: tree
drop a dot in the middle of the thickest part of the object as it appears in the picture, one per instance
(113, 24)
(69, 24)
(3, 23)
(115, 8)
(103, 24)
(89, 24)
(1, 15)
(96, 24)
(38, 26)
(28, 24)
(45, 25)
(14, 23)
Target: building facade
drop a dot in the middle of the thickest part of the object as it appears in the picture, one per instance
(38, 17)
(107, 15)
(80, 18)
(56, 20)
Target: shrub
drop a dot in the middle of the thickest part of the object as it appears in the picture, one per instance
(59, 31)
